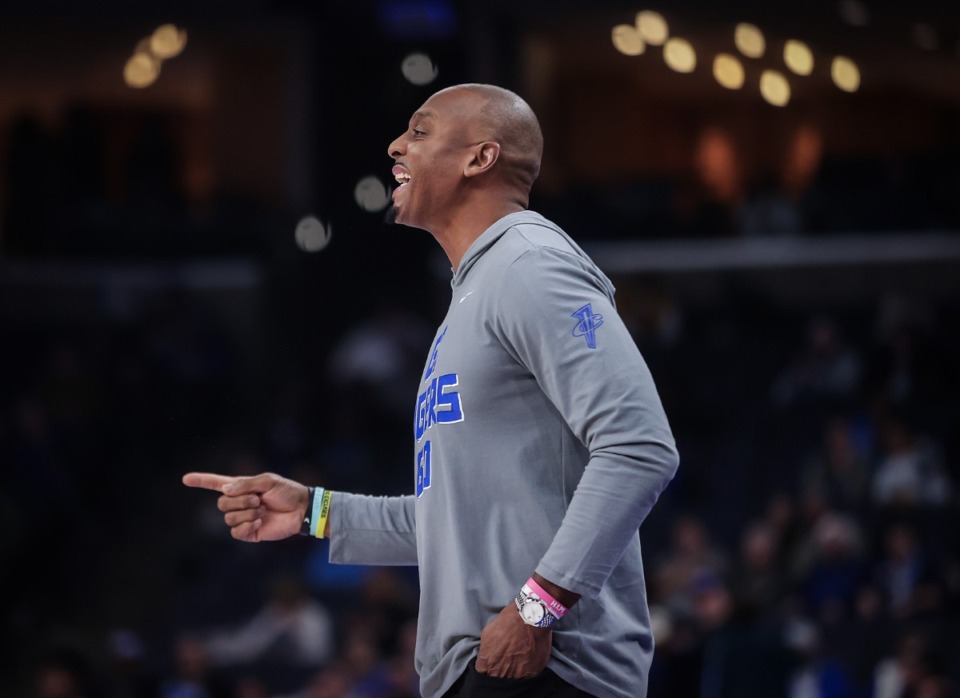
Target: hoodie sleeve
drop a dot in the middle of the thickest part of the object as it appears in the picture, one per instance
(372, 530)
(557, 318)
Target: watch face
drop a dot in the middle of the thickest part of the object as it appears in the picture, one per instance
(532, 612)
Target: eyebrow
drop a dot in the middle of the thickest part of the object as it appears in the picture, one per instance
(428, 114)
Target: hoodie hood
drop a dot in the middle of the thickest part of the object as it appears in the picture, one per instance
(495, 232)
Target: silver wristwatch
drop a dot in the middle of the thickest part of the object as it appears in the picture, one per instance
(532, 610)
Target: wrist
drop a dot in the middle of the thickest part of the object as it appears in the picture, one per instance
(564, 596)
(537, 607)
(306, 517)
(554, 606)
(315, 519)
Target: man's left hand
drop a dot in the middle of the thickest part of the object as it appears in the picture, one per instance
(509, 648)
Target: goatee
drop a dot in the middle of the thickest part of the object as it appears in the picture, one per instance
(391, 216)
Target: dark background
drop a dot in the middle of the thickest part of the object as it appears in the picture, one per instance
(790, 274)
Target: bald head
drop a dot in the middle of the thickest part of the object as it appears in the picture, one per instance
(503, 116)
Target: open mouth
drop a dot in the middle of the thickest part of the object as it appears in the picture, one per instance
(402, 175)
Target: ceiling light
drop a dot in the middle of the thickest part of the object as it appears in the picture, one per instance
(652, 27)
(774, 88)
(142, 70)
(167, 41)
(749, 40)
(728, 71)
(679, 55)
(627, 40)
(798, 57)
(845, 74)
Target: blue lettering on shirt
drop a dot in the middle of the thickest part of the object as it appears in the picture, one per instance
(432, 364)
(438, 404)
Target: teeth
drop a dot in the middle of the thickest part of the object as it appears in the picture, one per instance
(402, 178)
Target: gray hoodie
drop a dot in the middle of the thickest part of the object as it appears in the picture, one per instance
(540, 444)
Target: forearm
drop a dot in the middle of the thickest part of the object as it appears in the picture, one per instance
(633, 517)
(613, 498)
(367, 530)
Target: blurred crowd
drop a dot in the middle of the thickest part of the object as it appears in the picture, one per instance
(839, 574)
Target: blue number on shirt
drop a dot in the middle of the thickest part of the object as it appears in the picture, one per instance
(423, 468)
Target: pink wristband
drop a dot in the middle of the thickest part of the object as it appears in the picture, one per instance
(554, 606)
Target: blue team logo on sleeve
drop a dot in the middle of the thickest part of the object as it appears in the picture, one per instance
(587, 324)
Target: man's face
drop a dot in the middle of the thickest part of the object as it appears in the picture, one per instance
(430, 158)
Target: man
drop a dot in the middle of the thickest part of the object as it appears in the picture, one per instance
(540, 440)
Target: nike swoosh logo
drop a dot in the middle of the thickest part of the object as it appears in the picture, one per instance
(465, 296)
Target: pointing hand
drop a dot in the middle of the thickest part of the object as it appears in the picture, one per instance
(258, 508)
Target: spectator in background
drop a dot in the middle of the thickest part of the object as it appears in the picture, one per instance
(758, 578)
(191, 676)
(830, 586)
(911, 472)
(918, 670)
(816, 676)
(373, 370)
(904, 574)
(827, 369)
(743, 658)
(362, 670)
(291, 630)
(805, 548)
(837, 472)
(691, 556)
(382, 355)
(783, 519)
(362, 663)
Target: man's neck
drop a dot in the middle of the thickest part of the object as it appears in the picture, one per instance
(457, 234)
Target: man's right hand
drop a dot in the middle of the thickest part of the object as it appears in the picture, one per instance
(258, 508)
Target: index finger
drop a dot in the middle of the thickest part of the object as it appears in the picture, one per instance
(207, 481)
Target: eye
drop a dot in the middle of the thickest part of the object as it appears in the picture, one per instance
(418, 132)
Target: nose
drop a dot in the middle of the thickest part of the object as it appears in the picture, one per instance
(395, 149)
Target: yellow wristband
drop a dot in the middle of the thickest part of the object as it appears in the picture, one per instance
(324, 514)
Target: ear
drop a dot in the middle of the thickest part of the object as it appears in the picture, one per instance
(484, 155)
